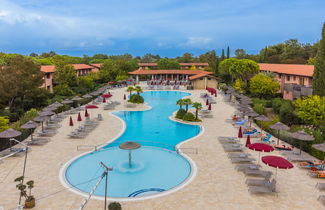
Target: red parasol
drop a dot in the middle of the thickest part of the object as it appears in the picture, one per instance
(240, 133)
(277, 162)
(207, 102)
(248, 141)
(110, 83)
(261, 148)
(107, 95)
(71, 121)
(104, 100)
(91, 107)
(79, 117)
(209, 108)
(86, 113)
(124, 97)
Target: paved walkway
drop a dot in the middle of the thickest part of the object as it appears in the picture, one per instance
(217, 184)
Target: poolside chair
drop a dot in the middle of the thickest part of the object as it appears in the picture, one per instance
(239, 155)
(233, 149)
(13, 151)
(38, 141)
(99, 117)
(321, 198)
(258, 173)
(298, 158)
(320, 186)
(130, 105)
(243, 167)
(258, 182)
(46, 133)
(227, 138)
(242, 160)
(268, 188)
(229, 141)
(77, 135)
(317, 174)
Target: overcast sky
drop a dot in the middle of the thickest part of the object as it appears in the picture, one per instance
(165, 27)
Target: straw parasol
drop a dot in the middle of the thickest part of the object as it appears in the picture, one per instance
(41, 119)
(9, 133)
(87, 96)
(250, 115)
(302, 136)
(49, 109)
(264, 119)
(279, 126)
(320, 147)
(67, 101)
(129, 145)
(46, 113)
(56, 104)
(30, 125)
(76, 98)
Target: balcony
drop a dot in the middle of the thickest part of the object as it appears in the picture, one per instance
(298, 90)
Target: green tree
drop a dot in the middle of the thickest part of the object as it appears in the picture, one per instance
(239, 85)
(223, 57)
(138, 89)
(211, 58)
(130, 89)
(21, 78)
(240, 53)
(311, 110)
(187, 102)
(166, 63)
(108, 71)
(319, 72)
(263, 86)
(65, 75)
(186, 58)
(180, 103)
(224, 68)
(197, 106)
(244, 69)
(228, 52)
(4, 121)
(63, 90)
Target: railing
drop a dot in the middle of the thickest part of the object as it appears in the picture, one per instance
(88, 147)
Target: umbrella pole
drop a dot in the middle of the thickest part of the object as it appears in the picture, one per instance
(300, 147)
(259, 155)
(42, 127)
(129, 158)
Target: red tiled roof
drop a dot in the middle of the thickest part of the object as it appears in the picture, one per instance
(291, 69)
(186, 72)
(98, 65)
(182, 64)
(201, 75)
(51, 68)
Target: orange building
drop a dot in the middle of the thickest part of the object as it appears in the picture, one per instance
(198, 66)
(81, 70)
(295, 80)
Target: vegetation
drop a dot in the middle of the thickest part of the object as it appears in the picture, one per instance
(180, 113)
(263, 86)
(136, 99)
(166, 63)
(183, 114)
(239, 85)
(187, 102)
(180, 103)
(319, 72)
(4, 121)
(197, 106)
(24, 187)
(114, 206)
(190, 117)
(130, 89)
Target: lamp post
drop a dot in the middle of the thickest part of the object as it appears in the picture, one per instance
(106, 181)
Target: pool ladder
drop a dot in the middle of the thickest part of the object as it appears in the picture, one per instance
(88, 147)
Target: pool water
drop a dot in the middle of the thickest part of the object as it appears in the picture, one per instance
(156, 166)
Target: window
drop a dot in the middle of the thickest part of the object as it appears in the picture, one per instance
(48, 76)
(201, 78)
(209, 78)
(301, 81)
(294, 78)
(288, 78)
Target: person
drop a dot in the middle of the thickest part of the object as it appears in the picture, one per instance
(235, 118)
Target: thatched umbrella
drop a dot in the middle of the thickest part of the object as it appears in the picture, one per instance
(67, 101)
(129, 145)
(87, 96)
(41, 119)
(46, 113)
(95, 93)
(9, 133)
(30, 125)
(76, 98)
(302, 136)
(320, 147)
(56, 104)
(250, 115)
(279, 126)
(49, 109)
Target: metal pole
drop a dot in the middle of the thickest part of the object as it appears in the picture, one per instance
(106, 174)
(130, 159)
(24, 169)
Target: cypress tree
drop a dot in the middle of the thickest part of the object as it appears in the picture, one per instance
(319, 71)
(228, 52)
(223, 55)
(265, 55)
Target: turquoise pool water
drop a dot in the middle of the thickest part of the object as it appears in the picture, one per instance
(156, 167)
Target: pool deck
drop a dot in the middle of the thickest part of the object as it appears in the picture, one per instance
(217, 184)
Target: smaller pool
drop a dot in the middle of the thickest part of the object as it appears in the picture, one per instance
(149, 164)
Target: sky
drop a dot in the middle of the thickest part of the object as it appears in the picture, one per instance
(165, 27)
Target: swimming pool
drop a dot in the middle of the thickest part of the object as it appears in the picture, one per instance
(156, 166)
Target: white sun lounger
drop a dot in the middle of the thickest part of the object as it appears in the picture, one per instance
(242, 160)
(268, 188)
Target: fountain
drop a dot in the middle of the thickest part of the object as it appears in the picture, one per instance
(129, 145)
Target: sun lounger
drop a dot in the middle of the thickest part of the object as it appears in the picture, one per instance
(317, 174)
(99, 117)
(233, 149)
(258, 182)
(243, 167)
(241, 160)
(227, 138)
(13, 151)
(238, 155)
(77, 135)
(268, 188)
(259, 173)
(229, 142)
(38, 141)
(321, 198)
(298, 158)
(320, 186)
(47, 133)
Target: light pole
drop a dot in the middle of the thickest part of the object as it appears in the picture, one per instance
(106, 181)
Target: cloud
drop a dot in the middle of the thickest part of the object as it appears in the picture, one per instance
(197, 43)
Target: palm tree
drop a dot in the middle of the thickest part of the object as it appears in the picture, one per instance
(138, 89)
(130, 89)
(197, 106)
(180, 103)
(187, 102)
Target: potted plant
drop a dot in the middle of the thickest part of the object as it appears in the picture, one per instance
(114, 206)
(29, 198)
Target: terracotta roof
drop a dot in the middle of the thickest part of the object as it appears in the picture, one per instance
(291, 69)
(98, 65)
(182, 64)
(186, 72)
(51, 68)
(201, 75)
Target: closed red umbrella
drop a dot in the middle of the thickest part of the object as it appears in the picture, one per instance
(260, 147)
(86, 113)
(71, 121)
(240, 133)
(248, 141)
(277, 162)
(79, 117)
(209, 108)
(104, 100)
(124, 97)
(91, 107)
(207, 102)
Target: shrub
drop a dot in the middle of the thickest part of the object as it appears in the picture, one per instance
(276, 104)
(189, 117)
(287, 114)
(180, 113)
(114, 206)
(137, 99)
(259, 108)
(259, 101)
